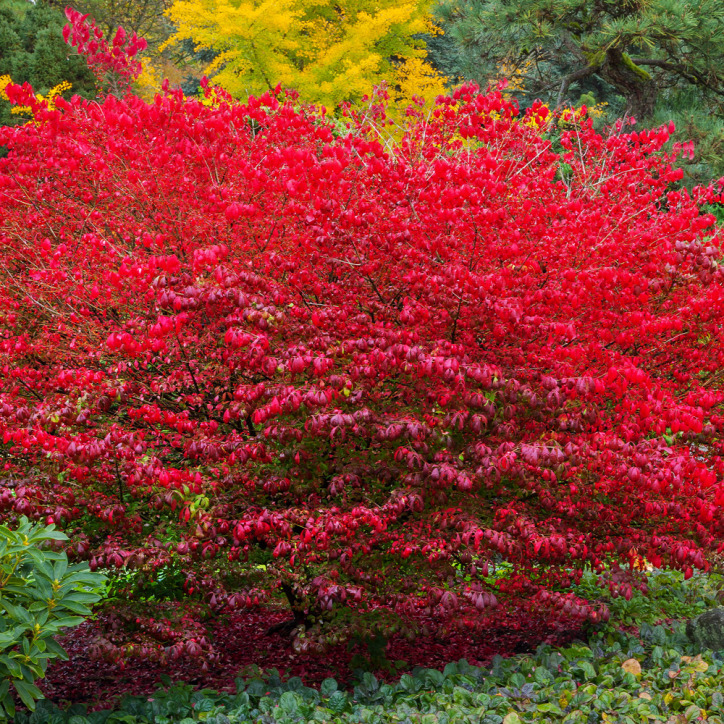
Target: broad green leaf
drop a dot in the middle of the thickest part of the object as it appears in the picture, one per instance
(12, 665)
(8, 704)
(289, 702)
(68, 621)
(55, 648)
(328, 687)
(75, 607)
(28, 693)
(549, 708)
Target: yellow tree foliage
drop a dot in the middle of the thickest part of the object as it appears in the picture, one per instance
(328, 50)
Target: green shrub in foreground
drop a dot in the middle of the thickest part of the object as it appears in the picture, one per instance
(40, 594)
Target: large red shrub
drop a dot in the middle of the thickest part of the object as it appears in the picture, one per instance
(276, 354)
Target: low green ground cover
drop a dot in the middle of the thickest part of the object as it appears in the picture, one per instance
(648, 673)
(616, 678)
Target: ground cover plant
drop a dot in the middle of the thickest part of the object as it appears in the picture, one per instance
(252, 353)
(652, 674)
(246, 651)
(617, 679)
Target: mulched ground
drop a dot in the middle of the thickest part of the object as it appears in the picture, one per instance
(242, 641)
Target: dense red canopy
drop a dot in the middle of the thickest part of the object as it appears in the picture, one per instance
(278, 354)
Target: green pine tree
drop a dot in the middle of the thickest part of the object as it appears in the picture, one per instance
(32, 50)
(654, 60)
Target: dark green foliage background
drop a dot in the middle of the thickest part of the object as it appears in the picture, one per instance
(677, 46)
(32, 50)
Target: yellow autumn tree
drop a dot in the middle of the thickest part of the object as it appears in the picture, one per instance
(328, 50)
